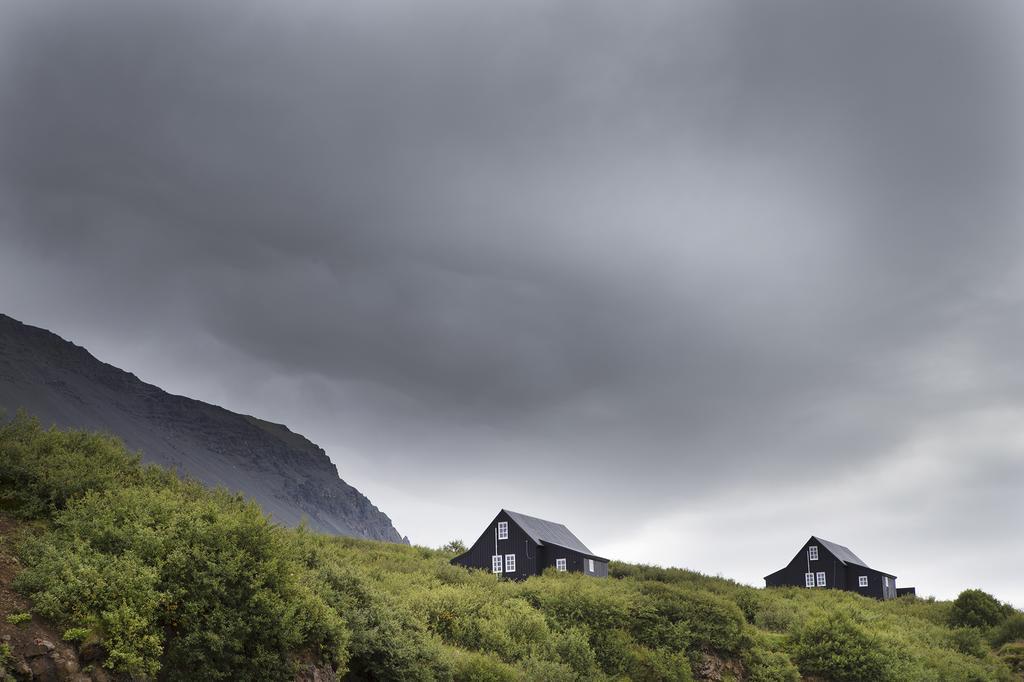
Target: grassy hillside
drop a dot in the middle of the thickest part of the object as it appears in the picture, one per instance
(168, 579)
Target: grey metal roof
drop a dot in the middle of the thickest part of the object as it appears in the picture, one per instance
(548, 532)
(842, 553)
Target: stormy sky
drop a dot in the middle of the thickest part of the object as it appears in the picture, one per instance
(698, 279)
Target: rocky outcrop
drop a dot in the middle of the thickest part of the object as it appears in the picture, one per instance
(290, 477)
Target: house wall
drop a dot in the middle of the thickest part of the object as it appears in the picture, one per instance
(793, 574)
(876, 583)
(574, 561)
(518, 543)
(837, 575)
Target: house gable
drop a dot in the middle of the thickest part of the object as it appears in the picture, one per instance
(821, 563)
(533, 545)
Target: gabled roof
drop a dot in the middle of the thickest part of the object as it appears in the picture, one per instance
(549, 533)
(842, 553)
(845, 556)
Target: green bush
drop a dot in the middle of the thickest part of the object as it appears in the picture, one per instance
(18, 618)
(976, 609)
(837, 648)
(1013, 655)
(6, 657)
(658, 664)
(40, 470)
(573, 647)
(1009, 630)
(167, 573)
(75, 634)
(969, 641)
(764, 665)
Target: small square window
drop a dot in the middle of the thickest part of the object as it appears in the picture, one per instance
(496, 563)
(560, 564)
(812, 552)
(503, 530)
(809, 579)
(591, 564)
(862, 581)
(510, 563)
(821, 578)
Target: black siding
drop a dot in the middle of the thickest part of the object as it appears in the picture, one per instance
(531, 559)
(837, 575)
(574, 561)
(518, 543)
(876, 583)
(793, 574)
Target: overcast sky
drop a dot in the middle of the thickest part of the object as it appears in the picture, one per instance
(697, 279)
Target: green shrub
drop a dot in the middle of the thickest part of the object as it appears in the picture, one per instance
(1013, 655)
(774, 615)
(698, 618)
(573, 647)
(837, 648)
(770, 666)
(540, 670)
(613, 651)
(969, 641)
(19, 618)
(75, 634)
(1009, 630)
(6, 657)
(766, 663)
(171, 574)
(514, 631)
(469, 666)
(976, 609)
(658, 664)
(40, 470)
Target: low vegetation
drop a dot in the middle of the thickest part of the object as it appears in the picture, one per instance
(174, 580)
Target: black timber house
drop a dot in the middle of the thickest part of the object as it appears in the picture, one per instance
(824, 564)
(517, 546)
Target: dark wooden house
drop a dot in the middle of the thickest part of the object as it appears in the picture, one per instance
(517, 546)
(824, 564)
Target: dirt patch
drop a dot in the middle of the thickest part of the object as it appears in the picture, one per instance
(38, 651)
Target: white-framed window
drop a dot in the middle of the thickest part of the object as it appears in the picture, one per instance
(591, 565)
(862, 581)
(560, 564)
(809, 579)
(886, 580)
(503, 530)
(510, 563)
(496, 563)
(812, 552)
(821, 578)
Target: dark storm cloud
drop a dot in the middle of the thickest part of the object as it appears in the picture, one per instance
(690, 245)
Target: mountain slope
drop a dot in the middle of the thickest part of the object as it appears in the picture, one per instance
(289, 476)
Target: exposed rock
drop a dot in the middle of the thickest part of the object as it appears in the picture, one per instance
(315, 673)
(44, 669)
(22, 670)
(713, 669)
(45, 644)
(91, 652)
(290, 477)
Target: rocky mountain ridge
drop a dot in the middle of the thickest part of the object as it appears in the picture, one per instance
(289, 476)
